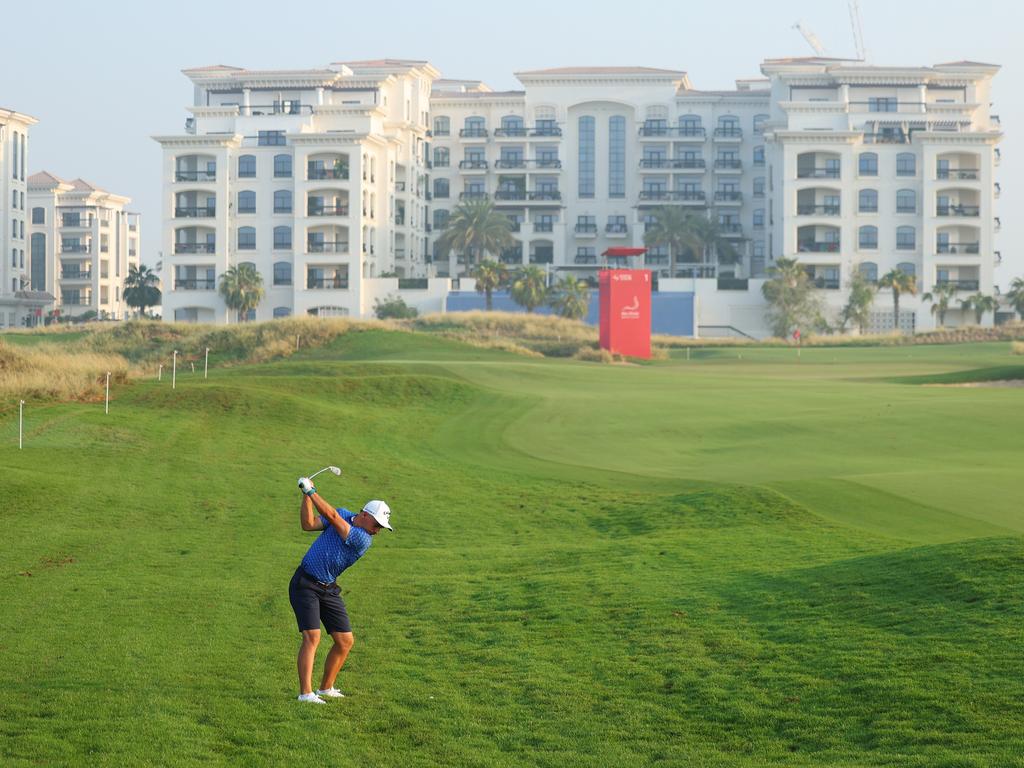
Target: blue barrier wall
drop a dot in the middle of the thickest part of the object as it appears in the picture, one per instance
(671, 313)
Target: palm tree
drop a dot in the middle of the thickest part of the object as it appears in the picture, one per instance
(475, 229)
(530, 287)
(571, 298)
(490, 276)
(941, 295)
(791, 299)
(140, 288)
(981, 304)
(681, 230)
(900, 282)
(858, 305)
(242, 289)
(1016, 296)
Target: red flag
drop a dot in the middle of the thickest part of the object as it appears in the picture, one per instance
(796, 334)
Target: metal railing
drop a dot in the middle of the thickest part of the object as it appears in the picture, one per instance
(76, 248)
(818, 246)
(327, 246)
(327, 283)
(510, 162)
(586, 228)
(194, 248)
(522, 194)
(76, 223)
(682, 131)
(817, 173)
(473, 196)
(313, 174)
(514, 131)
(672, 163)
(728, 164)
(194, 211)
(731, 229)
(585, 258)
(726, 196)
(75, 274)
(616, 229)
(473, 133)
(193, 175)
(473, 164)
(960, 285)
(804, 209)
(676, 195)
(971, 248)
(958, 210)
(543, 226)
(728, 133)
(194, 284)
(959, 174)
(826, 283)
(328, 210)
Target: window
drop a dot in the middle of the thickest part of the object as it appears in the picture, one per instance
(759, 186)
(882, 104)
(617, 156)
(282, 273)
(867, 201)
(270, 138)
(869, 271)
(906, 239)
(442, 126)
(282, 238)
(38, 215)
(247, 238)
(759, 121)
(616, 224)
(441, 219)
(586, 254)
(247, 201)
(907, 267)
(868, 238)
(906, 164)
(586, 155)
(474, 126)
(441, 157)
(729, 125)
(512, 125)
(868, 164)
(759, 217)
(906, 201)
(283, 201)
(283, 311)
(247, 167)
(38, 261)
(250, 315)
(441, 188)
(282, 166)
(758, 155)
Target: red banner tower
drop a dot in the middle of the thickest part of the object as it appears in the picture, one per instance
(625, 311)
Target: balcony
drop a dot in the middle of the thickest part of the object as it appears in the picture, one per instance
(585, 259)
(327, 210)
(543, 226)
(327, 283)
(472, 165)
(728, 196)
(473, 195)
(314, 173)
(968, 248)
(194, 284)
(731, 230)
(663, 163)
(76, 274)
(960, 285)
(194, 212)
(547, 162)
(972, 211)
(675, 131)
(817, 246)
(327, 246)
(516, 131)
(543, 256)
(399, 186)
(473, 133)
(75, 222)
(193, 175)
(80, 248)
(806, 209)
(512, 255)
(194, 248)
(542, 196)
(728, 134)
(817, 173)
(616, 230)
(728, 164)
(696, 197)
(586, 229)
(545, 131)
(510, 162)
(826, 283)
(958, 174)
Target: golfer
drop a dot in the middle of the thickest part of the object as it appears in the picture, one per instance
(314, 592)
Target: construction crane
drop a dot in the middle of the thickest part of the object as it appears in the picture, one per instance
(853, 6)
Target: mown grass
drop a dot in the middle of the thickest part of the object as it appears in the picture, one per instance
(766, 561)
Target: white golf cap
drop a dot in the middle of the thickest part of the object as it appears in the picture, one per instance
(380, 512)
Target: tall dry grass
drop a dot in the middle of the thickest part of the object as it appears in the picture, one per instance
(49, 373)
(1018, 348)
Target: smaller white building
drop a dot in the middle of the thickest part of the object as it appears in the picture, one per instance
(82, 243)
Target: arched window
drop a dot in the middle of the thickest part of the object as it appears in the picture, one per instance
(442, 126)
(512, 125)
(867, 201)
(441, 188)
(474, 126)
(280, 312)
(868, 164)
(247, 238)
(246, 201)
(869, 271)
(906, 164)
(282, 238)
(906, 201)
(906, 238)
(247, 167)
(441, 218)
(587, 158)
(247, 264)
(282, 166)
(728, 124)
(867, 238)
(759, 121)
(442, 157)
(907, 267)
(282, 273)
(283, 201)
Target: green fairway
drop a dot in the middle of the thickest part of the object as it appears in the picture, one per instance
(747, 558)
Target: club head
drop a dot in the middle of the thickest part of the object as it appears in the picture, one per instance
(335, 470)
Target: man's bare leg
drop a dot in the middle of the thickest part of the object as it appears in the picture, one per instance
(307, 655)
(343, 642)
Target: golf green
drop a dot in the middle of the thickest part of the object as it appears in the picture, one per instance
(747, 558)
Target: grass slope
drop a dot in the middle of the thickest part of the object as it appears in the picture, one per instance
(576, 578)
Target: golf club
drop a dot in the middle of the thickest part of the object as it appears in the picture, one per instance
(335, 470)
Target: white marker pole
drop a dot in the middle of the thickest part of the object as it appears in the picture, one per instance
(174, 371)
(206, 363)
(21, 424)
(296, 343)
(193, 366)
(106, 404)
(160, 373)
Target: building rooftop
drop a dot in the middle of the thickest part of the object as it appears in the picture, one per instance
(44, 177)
(604, 71)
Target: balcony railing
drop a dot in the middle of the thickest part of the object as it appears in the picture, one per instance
(728, 197)
(586, 229)
(476, 165)
(804, 209)
(546, 131)
(399, 186)
(959, 174)
(818, 246)
(683, 131)
(616, 229)
(513, 131)
(958, 248)
(194, 212)
(543, 226)
(75, 274)
(542, 257)
(510, 162)
(958, 210)
(187, 175)
(731, 230)
(328, 210)
(76, 248)
(672, 163)
(473, 195)
(76, 223)
(585, 258)
(522, 194)
(473, 133)
(960, 285)
(315, 173)
(327, 246)
(728, 133)
(327, 283)
(675, 195)
(194, 247)
(817, 173)
(728, 164)
(511, 257)
(194, 284)
(826, 283)
(547, 162)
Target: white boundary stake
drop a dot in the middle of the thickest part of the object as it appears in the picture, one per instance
(106, 404)
(21, 424)
(174, 371)
(206, 363)
(160, 373)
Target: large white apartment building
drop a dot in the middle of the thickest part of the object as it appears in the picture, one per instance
(328, 179)
(81, 245)
(19, 304)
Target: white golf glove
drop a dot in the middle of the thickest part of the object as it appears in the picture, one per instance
(306, 486)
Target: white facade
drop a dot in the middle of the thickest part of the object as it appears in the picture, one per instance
(19, 305)
(579, 159)
(82, 243)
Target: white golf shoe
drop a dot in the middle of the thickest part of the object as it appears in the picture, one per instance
(331, 693)
(311, 698)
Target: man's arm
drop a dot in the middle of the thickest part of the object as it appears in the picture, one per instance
(331, 514)
(308, 520)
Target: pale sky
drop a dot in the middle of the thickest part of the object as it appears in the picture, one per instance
(102, 78)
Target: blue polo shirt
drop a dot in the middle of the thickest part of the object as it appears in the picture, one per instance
(330, 554)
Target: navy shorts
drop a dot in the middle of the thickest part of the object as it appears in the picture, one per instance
(314, 602)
